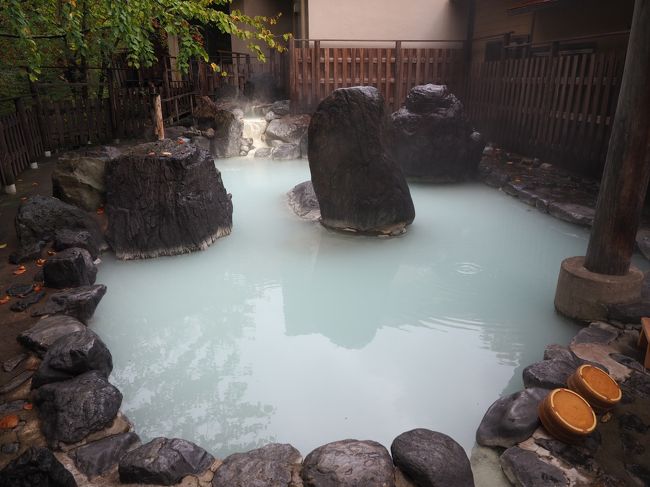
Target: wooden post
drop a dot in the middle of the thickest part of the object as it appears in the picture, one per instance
(398, 76)
(627, 169)
(159, 126)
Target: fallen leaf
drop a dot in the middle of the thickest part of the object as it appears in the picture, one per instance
(100, 211)
(8, 422)
(167, 154)
(24, 198)
(34, 184)
(37, 287)
(20, 270)
(5, 299)
(51, 252)
(40, 262)
(606, 417)
(3, 245)
(28, 406)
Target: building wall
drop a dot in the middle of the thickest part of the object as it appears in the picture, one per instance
(387, 19)
(567, 19)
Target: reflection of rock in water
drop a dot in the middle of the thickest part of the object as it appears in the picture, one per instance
(191, 376)
(349, 307)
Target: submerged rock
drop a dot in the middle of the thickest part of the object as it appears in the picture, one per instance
(72, 409)
(163, 461)
(358, 184)
(78, 302)
(40, 217)
(165, 199)
(40, 337)
(433, 140)
(273, 465)
(73, 355)
(70, 268)
(348, 463)
(302, 200)
(511, 419)
(37, 467)
(430, 459)
(285, 152)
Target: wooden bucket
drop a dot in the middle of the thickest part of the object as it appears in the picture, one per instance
(596, 386)
(567, 416)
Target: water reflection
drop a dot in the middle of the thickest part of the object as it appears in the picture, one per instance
(288, 332)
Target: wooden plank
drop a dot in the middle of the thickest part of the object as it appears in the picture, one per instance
(326, 71)
(577, 95)
(397, 100)
(346, 54)
(304, 90)
(337, 55)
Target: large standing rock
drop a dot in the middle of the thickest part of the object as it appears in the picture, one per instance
(227, 126)
(433, 139)
(70, 268)
(285, 152)
(170, 202)
(72, 355)
(163, 461)
(100, 456)
(40, 217)
(511, 419)
(78, 302)
(289, 128)
(358, 184)
(72, 409)
(40, 337)
(432, 459)
(273, 465)
(37, 467)
(348, 463)
(78, 178)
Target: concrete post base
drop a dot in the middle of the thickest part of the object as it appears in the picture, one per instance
(585, 295)
(10, 189)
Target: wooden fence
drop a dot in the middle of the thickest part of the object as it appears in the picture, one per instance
(559, 109)
(316, 71)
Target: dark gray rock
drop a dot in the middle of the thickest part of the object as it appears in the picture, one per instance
(525, 469)
(26, 302)
(433, 140)
(80, 181)
(20, 290)
(37, 467)
(227, 124)
(273, 465)
(348, 463)
(285, 152)
(431, 459)
(511, 419)
(580, 456)
(11, 407)
(72, 409)
(163, 461)
(16, 381)
(629, 313)
(180, 195)
(100, 456)
(643, 241)
(48, 330)
(572, 213)
(263, 152)
(304, 145)
(636, 386)
(595, 333)
(289, 129)
(270, 115)
(358, 184)
(73, 355)
(550, 374)
(66, 239)
(38, 219)
(78, 302)
(303, 201)
(70, 268)
(281, 107)
(10, 364)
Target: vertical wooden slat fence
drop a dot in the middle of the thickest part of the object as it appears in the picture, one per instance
(317, 69)
(556, 108)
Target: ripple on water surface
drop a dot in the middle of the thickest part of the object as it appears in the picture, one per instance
(284, 331)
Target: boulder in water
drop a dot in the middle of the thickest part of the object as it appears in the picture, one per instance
(163, 198)
(358, 184)
(433, 140)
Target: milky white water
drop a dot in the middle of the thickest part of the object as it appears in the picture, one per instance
(285, 331)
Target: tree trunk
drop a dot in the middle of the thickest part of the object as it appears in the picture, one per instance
(625, 178)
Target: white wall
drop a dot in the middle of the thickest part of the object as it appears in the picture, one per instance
(387, 19)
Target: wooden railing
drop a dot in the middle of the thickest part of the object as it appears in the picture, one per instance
(318, 67)
(557, 108)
